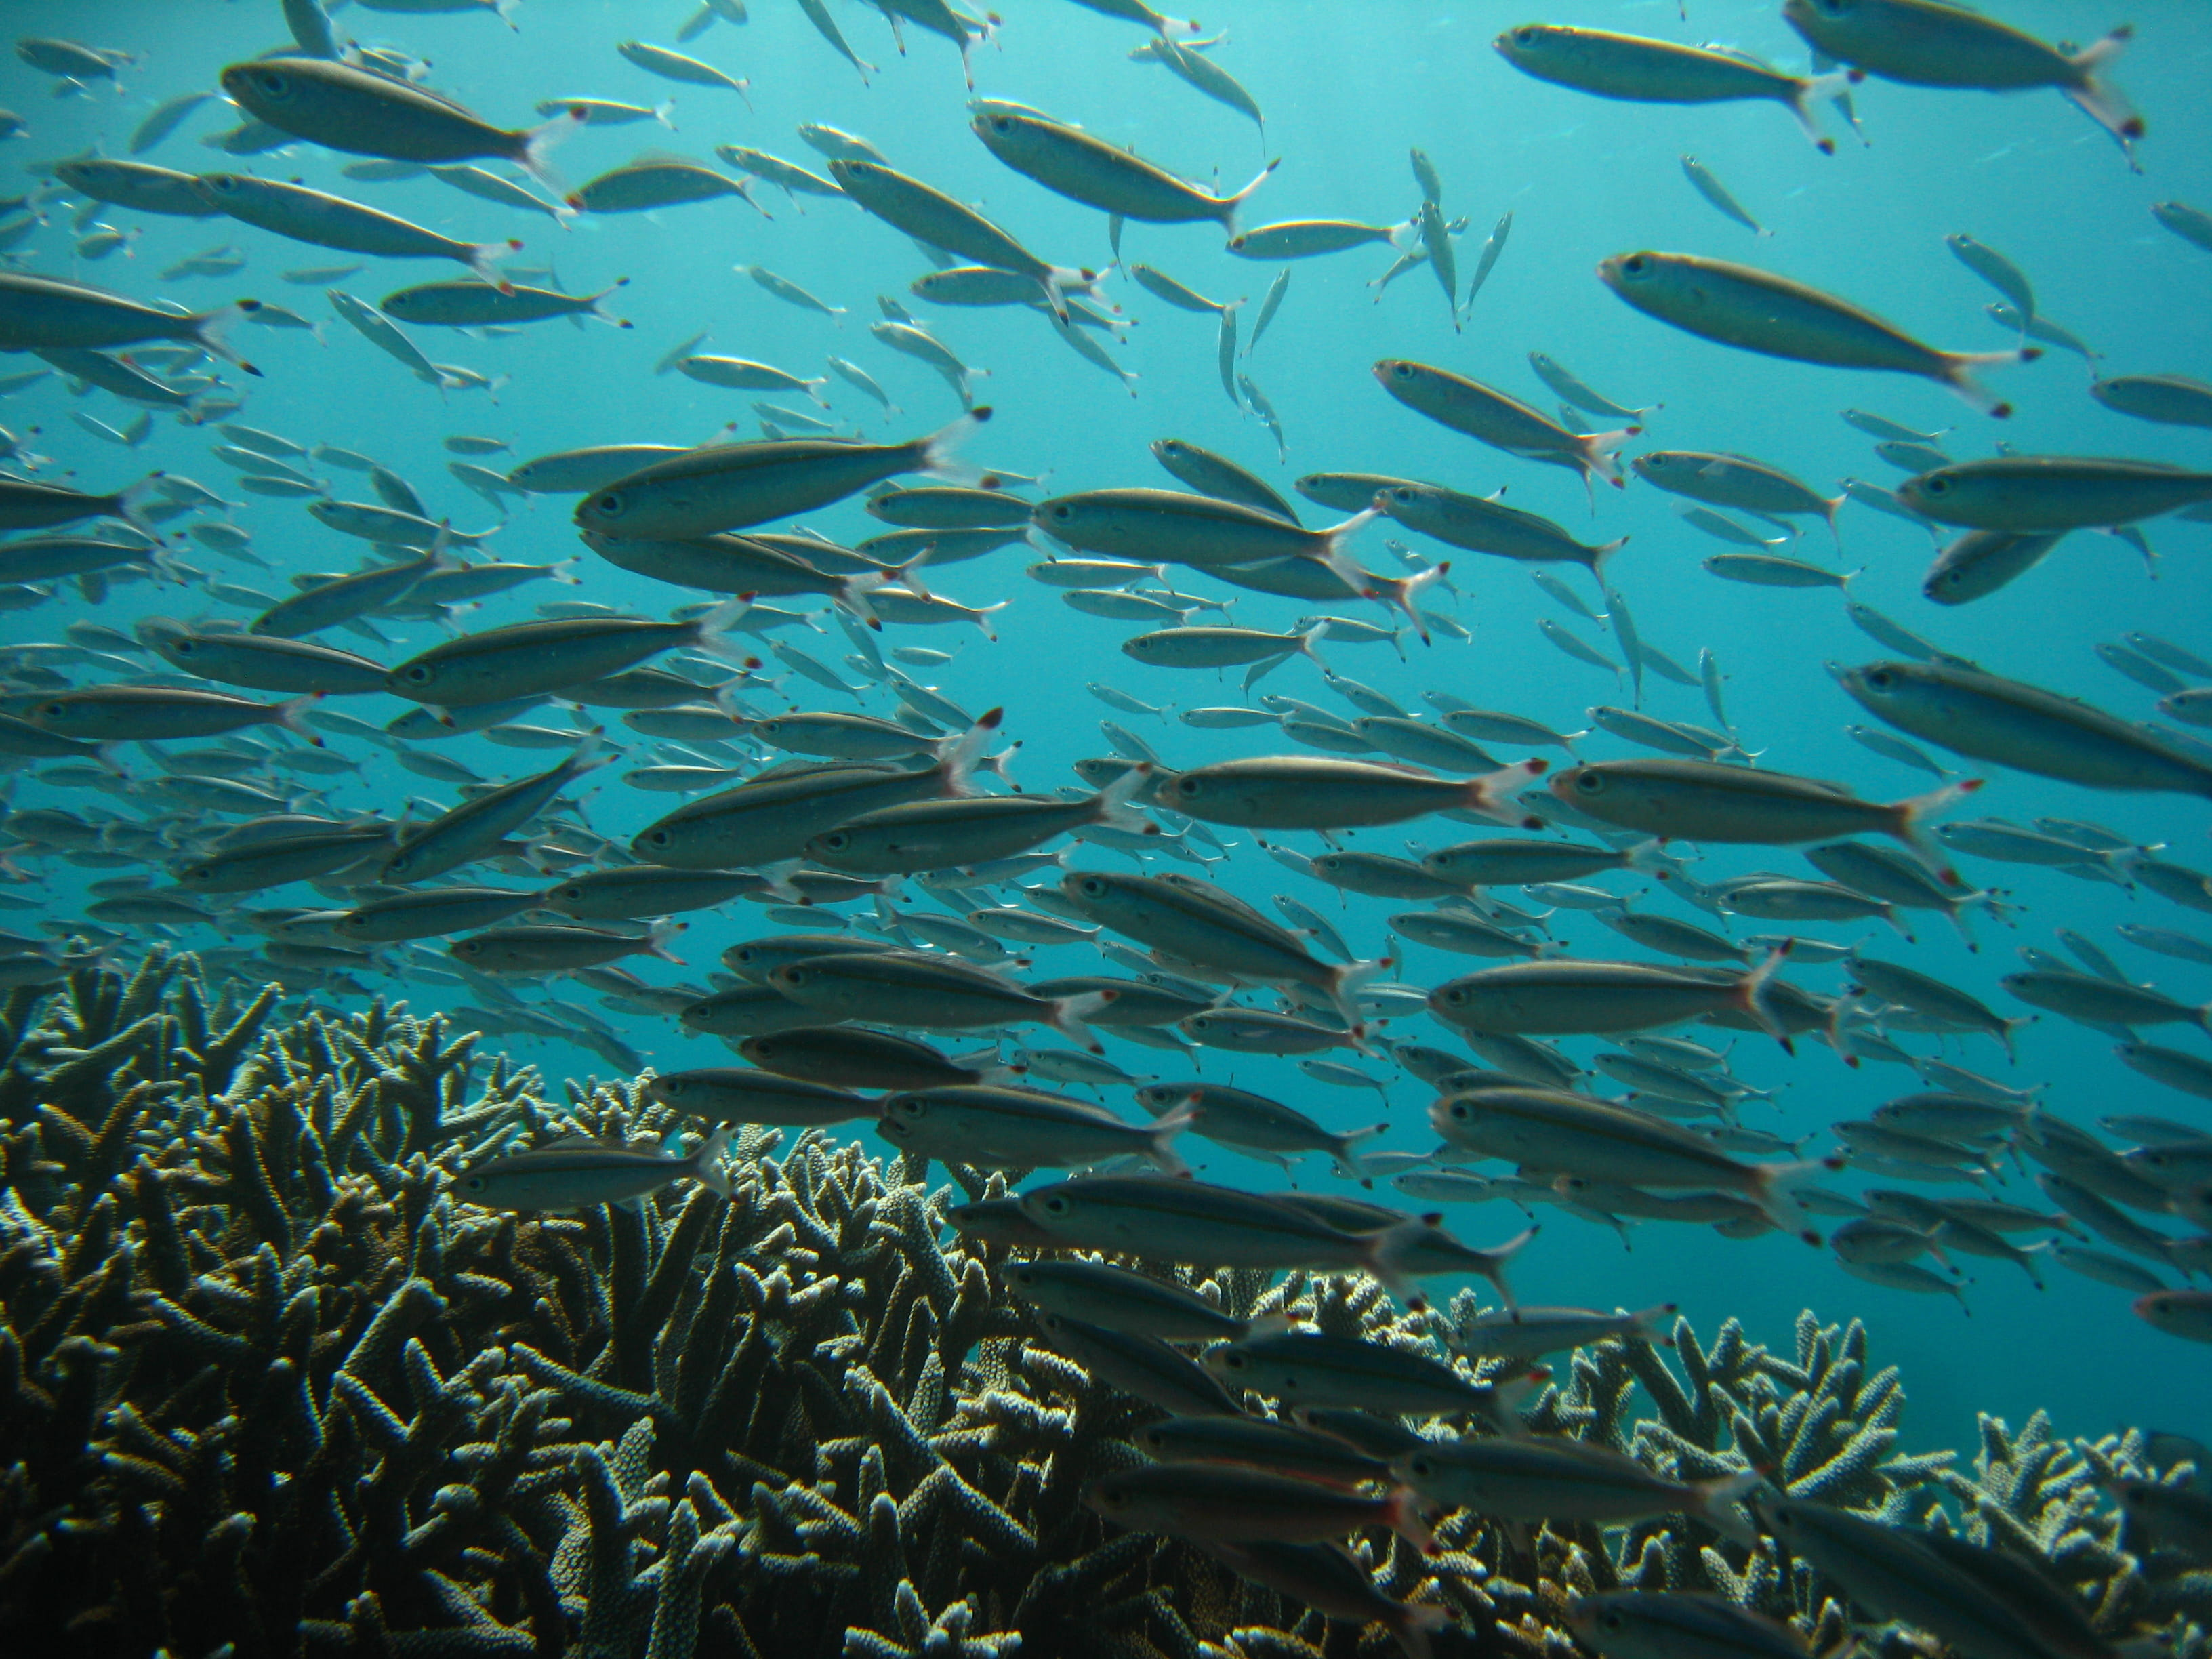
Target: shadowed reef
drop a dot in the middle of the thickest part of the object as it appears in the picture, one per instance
(270, 1385)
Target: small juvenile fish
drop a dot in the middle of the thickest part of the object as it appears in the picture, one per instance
(1071, 162)
(675, 66)
(1309, 239)
(1755, 310)
(481, 305)
(313, 216)
(1999, 273)
(1702, 180)
(787, 290)
(1555, 375)
(1505, 422)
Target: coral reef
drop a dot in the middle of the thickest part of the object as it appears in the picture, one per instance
(268, 1387)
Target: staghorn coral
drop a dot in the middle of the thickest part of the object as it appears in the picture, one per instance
(267, 1385)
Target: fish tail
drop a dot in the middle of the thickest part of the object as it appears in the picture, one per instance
(1488, 795)
(966, 753)
(1956, 371)
(1402, 591)
(1717, 1505)
(482, 258)
(1646, 1322)
(1335, 551)
(1412, 1623)
(656, 942)
(1345, 984)
(707, 1162)
(587, 755)
(981, 618)
(211, 330)
(1231, 204)
(539, 142)
(130, 503)
(1348, 1163)
(1806, 94)
(852, 594)
(291, 713)
(1601, 555)
(1774, 1191)
(938, 453)
(1493, 1267)
(1910, 814)
(711, 632)
(1752, 994)
(663, 112)
(1309, 646)
(2096, 97)
(1401, 1513)
(1068, 1015)
(1597, 452)
(1112, 803)
(1163, 1132)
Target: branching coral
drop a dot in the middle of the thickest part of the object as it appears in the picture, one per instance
(267, 1382)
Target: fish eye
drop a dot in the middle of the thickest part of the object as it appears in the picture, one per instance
(183, 647)
(475, 1183)
(1063, 512)
(1403, 371)
(469, 947)
(1454, 998)
(1190, 788)
(1420, 1466)
(837, 840)
(1055, 1205)
(1634, 266)
(1094, 888)
(1880, 680)
(274, 82)
(1589, 783)
(1524, 37)
(1611, 1619)
(610, 503)
(659, 837)
(1935, 486)
(1002, 124)
(53, 710)
(1233, 1362)
(418, 675)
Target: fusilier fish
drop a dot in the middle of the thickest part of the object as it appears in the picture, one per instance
(347, 107)
(1645, 71)
(1928, 42)
(579, 1173)
(720, 487)
(1756, 310)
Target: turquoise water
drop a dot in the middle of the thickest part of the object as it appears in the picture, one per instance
(1346, 90)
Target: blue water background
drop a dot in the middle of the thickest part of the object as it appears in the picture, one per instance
(1347, 88)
